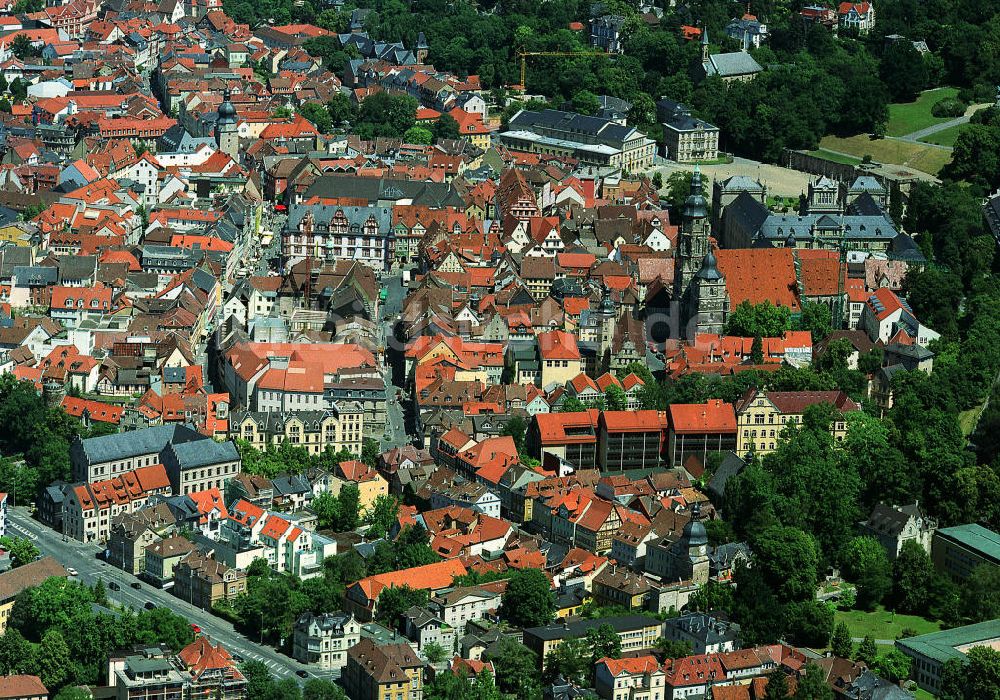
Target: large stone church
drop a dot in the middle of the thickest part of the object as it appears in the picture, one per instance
(700, 295)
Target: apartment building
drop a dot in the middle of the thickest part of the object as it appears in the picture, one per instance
(325, 639)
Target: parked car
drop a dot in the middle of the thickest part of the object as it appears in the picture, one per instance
(71, 571)
(136, 585)
(150, 605)
(114, 586)
(302, 674)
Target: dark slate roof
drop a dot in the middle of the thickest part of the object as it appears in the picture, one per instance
(286, 484)
(356, 216)
(678, 116)
(865, 205)
(903, 247)
(731, 64)
(191, 455)
(576, 127)
(731, 465)
(707, 629)
(107, 448)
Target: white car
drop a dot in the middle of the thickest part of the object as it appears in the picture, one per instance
(71, 571)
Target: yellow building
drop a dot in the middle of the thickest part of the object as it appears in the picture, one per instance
(341, 429)
(370, 483)
(15, 581)
(636, 632)
(559, 357)
(20, 233)
(762, 415)
(387, 672)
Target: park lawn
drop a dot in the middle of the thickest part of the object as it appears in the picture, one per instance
(967, 420)
(907, 117)
(921, 694)
(927, 159)
(882, 624)
(945, 137)
(835, 157)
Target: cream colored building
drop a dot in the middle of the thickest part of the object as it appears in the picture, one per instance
(762, 415)
(342, 429)
(324, 639)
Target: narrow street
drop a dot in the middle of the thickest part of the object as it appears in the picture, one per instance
(83, 558)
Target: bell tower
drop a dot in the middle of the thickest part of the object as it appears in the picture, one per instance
(692, 245)
(226, 136)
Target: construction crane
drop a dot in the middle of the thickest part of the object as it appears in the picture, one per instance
(523, 55)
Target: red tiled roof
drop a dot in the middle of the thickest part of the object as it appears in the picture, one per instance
(631, 421)
(760, 274)
(715, 416)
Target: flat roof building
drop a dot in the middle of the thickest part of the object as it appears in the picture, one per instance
(960, 549)
(931, 651)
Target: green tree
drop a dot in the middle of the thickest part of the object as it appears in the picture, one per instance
(757, 351)
(894, 665)
(912, 575)
(867, 650)
(787, 559)
(980, 677)
(604, 642)
(435, 653)
(615, 398)
(445, 127)
(866, 563)
(73, 693)
(712, 595)
(528, 600)
(903, 71)
(816, 318)
(570, 660)
(586, 102)
(419, 135)
(809, 623)
(672, 649)
(53, 660)
(370, 452)
(763, 319)
(517, 668)
(777, 685)
(980, 594)
(341, 109)
(16, 654)
(162, 625)
(812, 684)
(516, 427)
(260, 682)
(385, 114)
(394, 601)
(678, 187)
(22, 550)
(319, 115)
(841, 644)
(657, 181)
(382, 515)
(320, 689)
(572, 405)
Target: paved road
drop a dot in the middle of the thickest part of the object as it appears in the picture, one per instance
(393, 305)
(83, 558)
(921, 133)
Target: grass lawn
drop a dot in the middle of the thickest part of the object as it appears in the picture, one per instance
(835, 157)
(882, 624)
(945, 137)
(907, 117)
(967, 420)
(921, 694)
(913, 155)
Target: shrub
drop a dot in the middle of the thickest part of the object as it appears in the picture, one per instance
(948, 107)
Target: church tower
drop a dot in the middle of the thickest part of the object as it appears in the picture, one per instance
(692, 245)
(709, 298)
(689, 555)
(607, 316)
(422, 49)
(226, 136)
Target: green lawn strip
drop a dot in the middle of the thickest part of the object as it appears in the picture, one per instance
(835, 157)
(883, 624)
(907, 117)
(945, 137)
